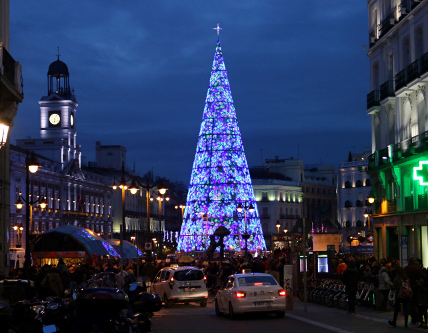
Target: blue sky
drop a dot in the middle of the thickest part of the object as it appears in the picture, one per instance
(140, 69)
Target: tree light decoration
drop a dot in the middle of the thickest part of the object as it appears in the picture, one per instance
(220, 178)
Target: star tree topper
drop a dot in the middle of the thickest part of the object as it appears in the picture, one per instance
(218, 29)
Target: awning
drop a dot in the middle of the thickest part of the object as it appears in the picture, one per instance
(129, 250)
(92, 243)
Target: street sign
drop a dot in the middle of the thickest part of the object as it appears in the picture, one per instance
(148, 246)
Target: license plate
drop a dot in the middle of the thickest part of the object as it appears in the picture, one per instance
(267, 303)
(190, 289)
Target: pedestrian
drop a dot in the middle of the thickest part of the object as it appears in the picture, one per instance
(341, 267)
(401, 298)
(350, 278)
(413, 272)
(385, 285)
(422, 297)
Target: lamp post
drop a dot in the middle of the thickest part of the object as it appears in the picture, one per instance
(182, 210)
(350, 245)
(148, 186)
(123, 185)
(31, 165)
(278, 225)
(18, 229)
(161, 198)
(243, 207)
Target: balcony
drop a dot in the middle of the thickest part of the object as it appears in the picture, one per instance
(391, 206)
(408, 203)
(373, 99)
(422, 201)
(412, 72)
(10, 77)
(387, 90)
(400, 79)
(387, 23)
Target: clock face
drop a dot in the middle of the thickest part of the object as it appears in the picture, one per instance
(54, 118)
(71, 120)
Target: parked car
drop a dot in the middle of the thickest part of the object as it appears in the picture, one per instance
(181, 285)
(250, 292)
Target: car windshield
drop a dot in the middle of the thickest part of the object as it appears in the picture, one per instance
(188, 274)
(256, 280)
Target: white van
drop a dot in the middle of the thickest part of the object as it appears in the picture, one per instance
(181, 285)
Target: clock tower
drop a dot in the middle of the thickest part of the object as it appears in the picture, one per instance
(57, 119)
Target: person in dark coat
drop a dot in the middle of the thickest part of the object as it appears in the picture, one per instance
(350, 278)
(422, 298)
(398, 281)
(413, 271)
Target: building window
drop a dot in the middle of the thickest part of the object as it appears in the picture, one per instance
(348, 184)
(264, 196)
(359, 183)
(368, 182)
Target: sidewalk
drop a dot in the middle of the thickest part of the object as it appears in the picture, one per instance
(364, 320)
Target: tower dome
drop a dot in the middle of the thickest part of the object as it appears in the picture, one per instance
(58, 79)
(58, 69)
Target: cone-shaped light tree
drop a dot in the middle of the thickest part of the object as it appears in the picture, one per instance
(220, 191)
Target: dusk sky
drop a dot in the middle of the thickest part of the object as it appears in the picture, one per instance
(140, 69)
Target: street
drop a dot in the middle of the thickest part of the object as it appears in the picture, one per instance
(317, 318)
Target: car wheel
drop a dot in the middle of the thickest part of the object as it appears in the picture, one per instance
(217, 310)
(204, 303)
(280, 314)
(166, 301)
(232, 314)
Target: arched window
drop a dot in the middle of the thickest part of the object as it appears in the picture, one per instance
(348, 204)
(359, 183)
(347, 184)
(368, 182)
(348, 224)
(359, 224)
(358, 203)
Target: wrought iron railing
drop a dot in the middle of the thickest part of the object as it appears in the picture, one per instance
(387, 90)
(373, 99)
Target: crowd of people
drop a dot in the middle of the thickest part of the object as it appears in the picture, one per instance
(53, 280)
(409, 284)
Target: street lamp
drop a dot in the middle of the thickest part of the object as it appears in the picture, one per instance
(148, 186)
(367, 214)
(350, 244)
(18, 229)
(182, 210)
(160, 198)
(31, 165)
(123, 185)
(4, 130)
(278, 225)
(244, 208)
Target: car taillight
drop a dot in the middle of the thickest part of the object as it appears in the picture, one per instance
(240, 294)
(205, 279)
(171, 282)
(282, 292)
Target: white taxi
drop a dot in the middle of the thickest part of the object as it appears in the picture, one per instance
(250, 292)
(181, 284)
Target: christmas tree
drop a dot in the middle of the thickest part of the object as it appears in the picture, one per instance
(220, 179)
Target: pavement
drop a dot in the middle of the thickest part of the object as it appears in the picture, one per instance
(365, 319)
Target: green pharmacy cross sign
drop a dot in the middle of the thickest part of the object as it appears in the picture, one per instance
(421, 173)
